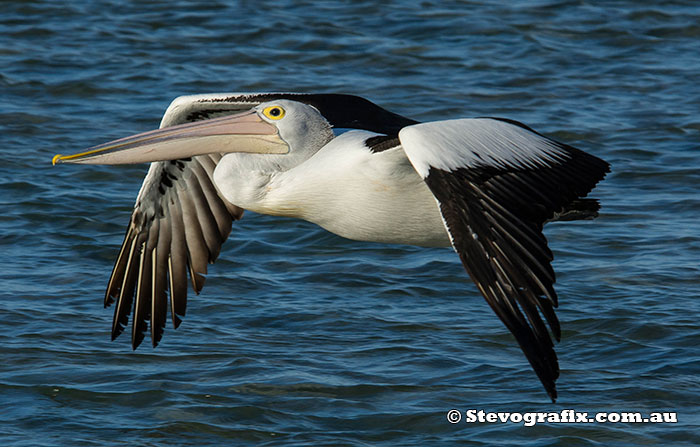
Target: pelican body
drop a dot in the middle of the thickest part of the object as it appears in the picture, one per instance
(484, 186)
(353, 193)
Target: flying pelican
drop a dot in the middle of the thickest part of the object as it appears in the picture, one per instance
(484, 186)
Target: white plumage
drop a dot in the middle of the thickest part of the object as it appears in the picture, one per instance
(473, 142)
(344, 188)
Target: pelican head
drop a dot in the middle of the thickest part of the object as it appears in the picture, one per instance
(271, 128)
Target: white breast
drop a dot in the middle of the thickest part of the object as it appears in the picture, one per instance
(357, 194)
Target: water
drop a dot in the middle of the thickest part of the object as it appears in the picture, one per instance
(301, 337)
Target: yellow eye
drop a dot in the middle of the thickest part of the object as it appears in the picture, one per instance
(274, 112)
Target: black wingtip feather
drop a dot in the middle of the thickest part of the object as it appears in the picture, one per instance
(119, 270)
(159, 303)
(142, 306)
(126, 292)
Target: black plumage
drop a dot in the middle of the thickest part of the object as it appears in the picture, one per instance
(495, 215)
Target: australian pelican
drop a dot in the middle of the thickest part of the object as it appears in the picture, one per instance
(484, 186)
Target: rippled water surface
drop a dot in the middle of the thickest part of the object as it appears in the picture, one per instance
(301, 337)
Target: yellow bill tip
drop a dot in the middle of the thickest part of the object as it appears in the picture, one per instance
(55, 159)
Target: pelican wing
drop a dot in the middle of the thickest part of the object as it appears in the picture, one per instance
(180, 219)
(496, 182)
(178, 224)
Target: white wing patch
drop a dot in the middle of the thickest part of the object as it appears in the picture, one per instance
(476, 142)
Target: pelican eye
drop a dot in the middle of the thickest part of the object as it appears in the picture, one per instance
(274, 112)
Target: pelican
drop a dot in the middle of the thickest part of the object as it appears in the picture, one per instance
(483, 186)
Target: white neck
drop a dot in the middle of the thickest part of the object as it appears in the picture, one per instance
(242, 177)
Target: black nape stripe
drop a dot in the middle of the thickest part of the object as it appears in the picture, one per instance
(340, 110)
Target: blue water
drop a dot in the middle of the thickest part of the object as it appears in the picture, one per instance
(301, 337)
